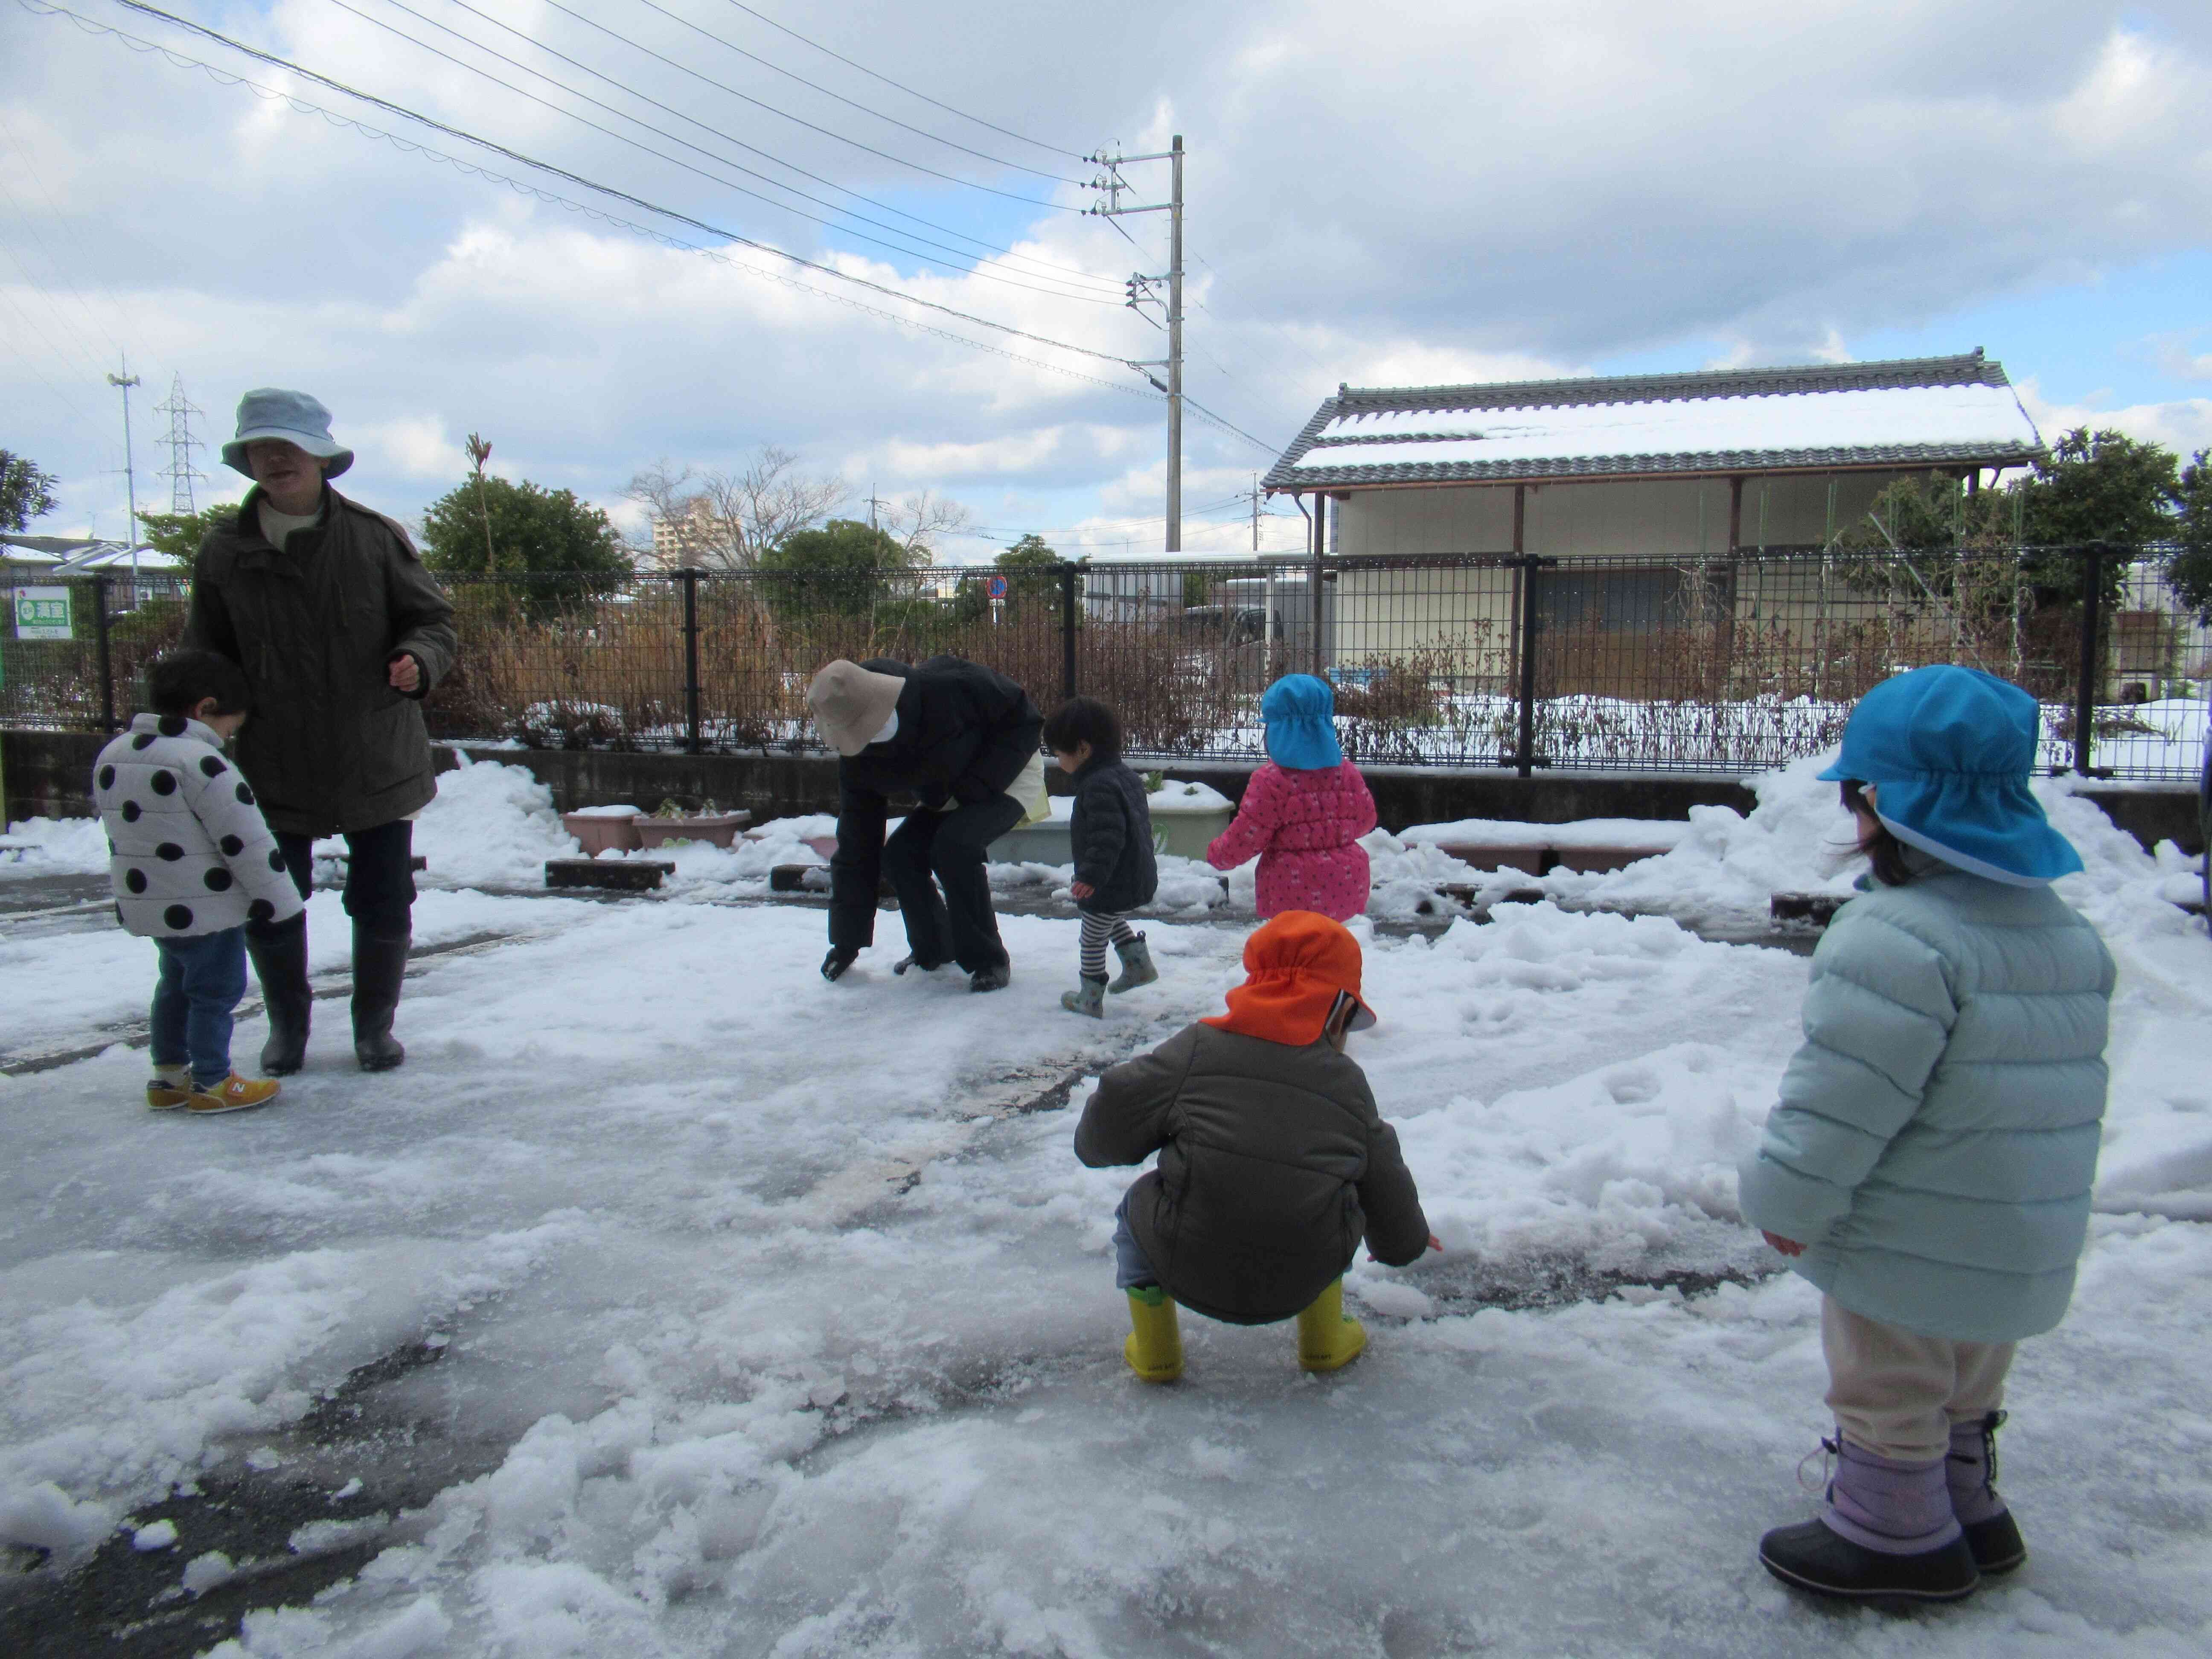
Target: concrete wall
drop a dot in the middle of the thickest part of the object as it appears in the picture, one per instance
(49, 775)
(1635, 519)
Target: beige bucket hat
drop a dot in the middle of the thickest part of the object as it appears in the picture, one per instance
(851, 704)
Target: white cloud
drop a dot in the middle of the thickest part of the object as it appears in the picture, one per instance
(2184, 425)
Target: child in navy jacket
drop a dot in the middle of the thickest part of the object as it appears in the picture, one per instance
(1111, 831)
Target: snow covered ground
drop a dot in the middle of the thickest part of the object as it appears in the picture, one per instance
(709, 1309)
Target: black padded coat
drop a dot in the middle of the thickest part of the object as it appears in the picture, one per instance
(1274, 1166)
(1112, 833)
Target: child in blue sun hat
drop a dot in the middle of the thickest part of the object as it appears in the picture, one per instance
(1928, 1164)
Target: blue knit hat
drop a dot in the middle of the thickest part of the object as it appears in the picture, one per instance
(1950, 751)
(272, 412)
(1301, 713)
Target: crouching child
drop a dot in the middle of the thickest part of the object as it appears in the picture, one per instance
(192, 862)
(1273, 1162)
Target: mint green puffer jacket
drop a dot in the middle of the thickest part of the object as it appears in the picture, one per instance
(1936, 1136)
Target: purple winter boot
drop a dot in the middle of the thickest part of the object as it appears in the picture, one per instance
(1886, 1534)
(1971, 1472)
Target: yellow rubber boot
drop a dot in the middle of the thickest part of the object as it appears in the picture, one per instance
(1329, 1339)
(1154, 1347)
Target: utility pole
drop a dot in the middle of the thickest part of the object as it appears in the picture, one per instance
(1139, 289)
(874, 501)
(126, 381)
(180, 472)
(1255, 512)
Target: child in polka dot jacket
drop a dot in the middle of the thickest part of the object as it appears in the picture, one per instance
(1303, 811)
(193, 862)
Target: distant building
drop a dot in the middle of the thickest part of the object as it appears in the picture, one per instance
(688, 539)
(1648, 487)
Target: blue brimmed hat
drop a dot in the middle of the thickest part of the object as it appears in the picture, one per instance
(1950, 751)
(294, 416)
(1301, 714)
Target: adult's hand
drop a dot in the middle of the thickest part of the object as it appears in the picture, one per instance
(1786, 1245)
(835, 964)
(404, 673)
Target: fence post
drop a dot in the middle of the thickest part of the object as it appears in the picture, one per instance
(1067, 629)
(690, 576)
(1524, 747)
(2085, 696)
(1320, 554)
(106, 664)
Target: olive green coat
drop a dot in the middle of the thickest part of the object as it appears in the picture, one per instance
(329, 746)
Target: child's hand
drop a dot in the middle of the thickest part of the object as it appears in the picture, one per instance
(403, 672)
(1435, 1244)
(1786, 1245)
(1082, 890)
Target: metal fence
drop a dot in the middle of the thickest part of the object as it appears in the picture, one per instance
(1729, 663)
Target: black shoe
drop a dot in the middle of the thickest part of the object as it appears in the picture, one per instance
(1813, 1558)
(280, 962)
(1996, 1544)
(378, 965)
(996, 977)
(910, 961)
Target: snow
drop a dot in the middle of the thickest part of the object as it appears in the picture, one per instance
(767, 1320)
(1961, 416)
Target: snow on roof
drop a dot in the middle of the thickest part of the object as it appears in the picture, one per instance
(1928, 411)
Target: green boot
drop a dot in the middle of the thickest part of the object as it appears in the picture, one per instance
(1087, 998)
(1329, 1339)
(1136, 966)
(1154, 1346)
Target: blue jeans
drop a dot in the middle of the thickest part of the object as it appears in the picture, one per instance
(202, 979)
(1133, 1269)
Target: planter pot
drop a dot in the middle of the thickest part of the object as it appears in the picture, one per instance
(599, 832)
(1034, 843)
(719, 830)
(1187, 835)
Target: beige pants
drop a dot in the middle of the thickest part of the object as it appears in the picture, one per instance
(1896, 1392)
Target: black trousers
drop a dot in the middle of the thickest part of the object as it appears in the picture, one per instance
(379, 883)
(960, 925)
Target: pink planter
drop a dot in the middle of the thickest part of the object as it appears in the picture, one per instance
(719, 830)
(599, 832)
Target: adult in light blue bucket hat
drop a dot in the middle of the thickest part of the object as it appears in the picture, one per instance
(271, 413)
(1300, 711)
(1949, 750)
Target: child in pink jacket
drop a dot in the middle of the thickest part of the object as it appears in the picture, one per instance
(1303, 811)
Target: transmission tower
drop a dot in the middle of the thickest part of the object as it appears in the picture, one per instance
(181, 471)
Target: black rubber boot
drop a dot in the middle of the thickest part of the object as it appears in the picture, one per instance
(280, 962)
(379, 964)
(1813, 1558)
(996, 977)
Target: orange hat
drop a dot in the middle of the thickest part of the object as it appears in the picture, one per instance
(1295, 966)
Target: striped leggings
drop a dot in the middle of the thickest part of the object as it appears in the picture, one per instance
(1098, 927)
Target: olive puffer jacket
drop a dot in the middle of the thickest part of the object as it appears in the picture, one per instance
(1937, 1134)
(330, 745)
(1110, 832)
(1273, 1164)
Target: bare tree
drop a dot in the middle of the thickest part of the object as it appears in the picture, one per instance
(921, 521)
(725, 521)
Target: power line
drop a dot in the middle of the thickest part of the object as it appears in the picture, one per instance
(623, 138)
(518, 157)
(995, 160)
(719, 86)
(1056, 149)
(1097, 281)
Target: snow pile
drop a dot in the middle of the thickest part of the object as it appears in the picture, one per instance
(491, 825)
(56, 847)
(1179, 797)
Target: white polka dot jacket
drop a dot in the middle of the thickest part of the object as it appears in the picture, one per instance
(192, 853)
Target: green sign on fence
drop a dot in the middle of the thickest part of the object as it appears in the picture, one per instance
(43, 613)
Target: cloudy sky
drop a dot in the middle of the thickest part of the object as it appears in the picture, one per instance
(1386, 192)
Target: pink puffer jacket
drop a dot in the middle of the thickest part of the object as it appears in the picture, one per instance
(1305, 827)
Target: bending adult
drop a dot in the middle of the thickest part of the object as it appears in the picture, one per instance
(965, 739)
(341, 632)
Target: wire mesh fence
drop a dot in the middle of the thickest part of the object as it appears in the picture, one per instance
(1730, 664)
